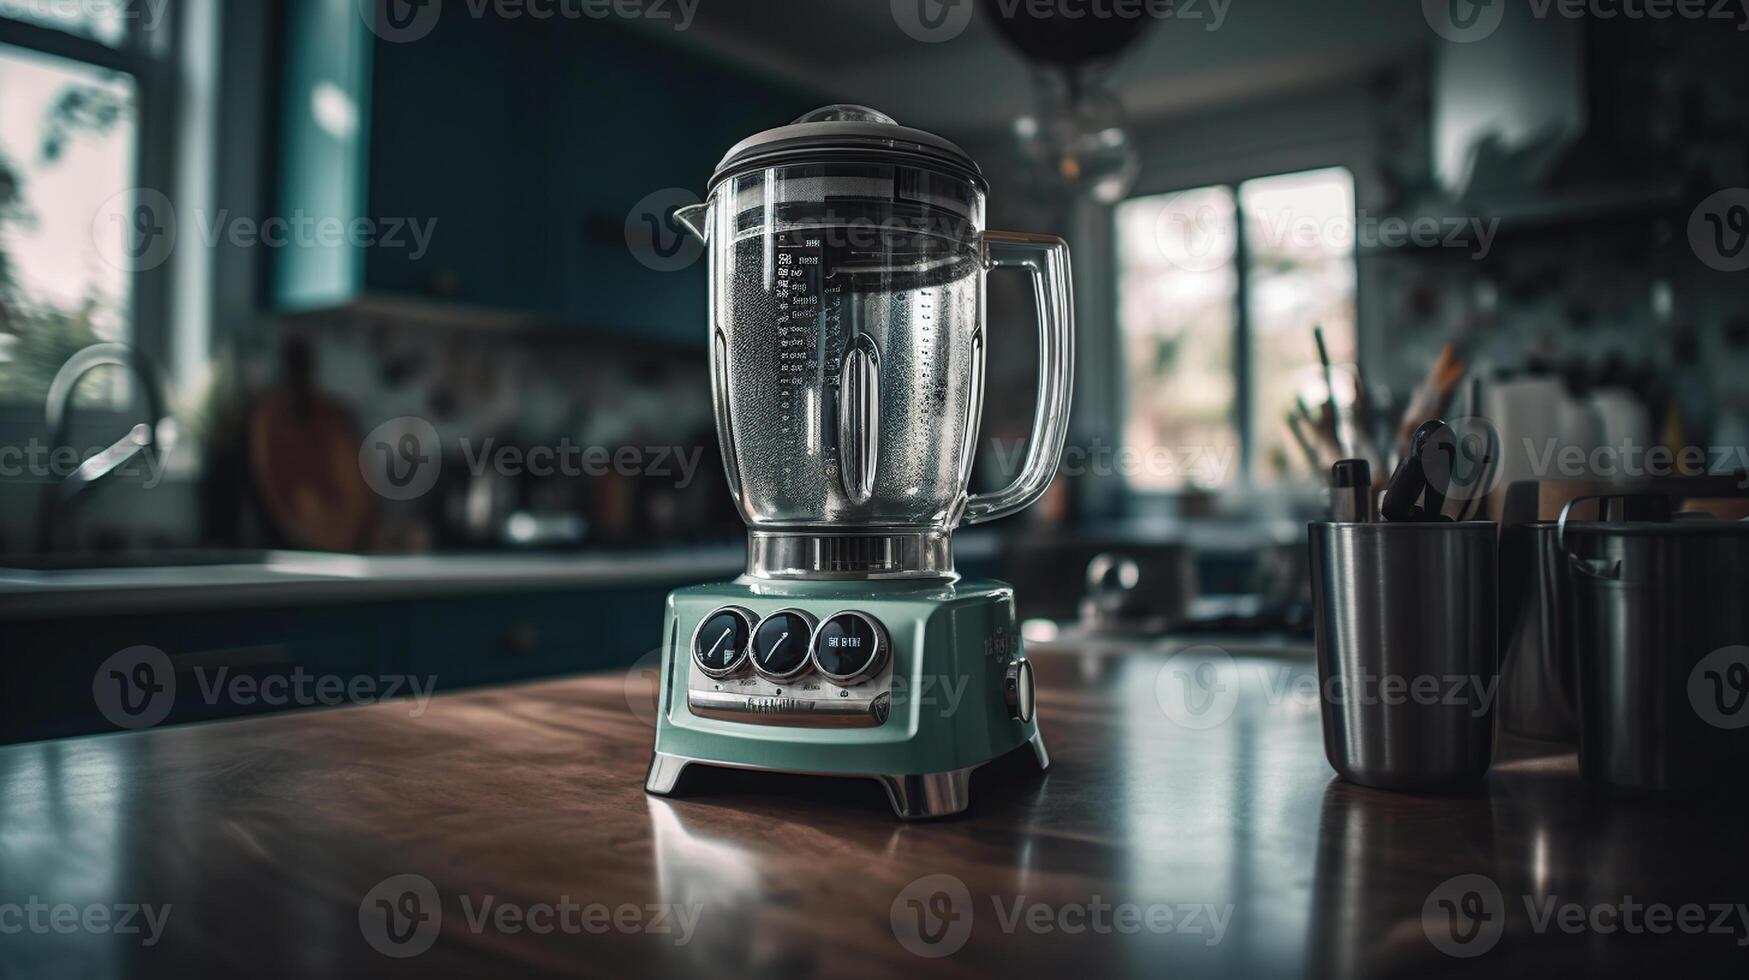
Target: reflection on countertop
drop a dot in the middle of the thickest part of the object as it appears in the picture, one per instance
(531, 794)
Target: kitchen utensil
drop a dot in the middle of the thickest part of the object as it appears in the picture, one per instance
(1403, 490)
(1480, 442)
(1365, 419)
(1305, 443)
(847, 257)
(304, 452)
(1318, 432)
(1351, 497)
(1329, 388)
(1318, 424)
(1403, 619)
(1438, 457)
(1660, 625)
(1433, 396)
(1411, 495)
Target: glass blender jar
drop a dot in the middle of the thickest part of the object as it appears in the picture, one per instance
(847, 257)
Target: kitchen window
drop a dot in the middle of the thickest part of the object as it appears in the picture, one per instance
(1219, 288)
(80, 255)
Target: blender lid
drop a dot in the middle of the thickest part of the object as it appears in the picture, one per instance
(847, 132)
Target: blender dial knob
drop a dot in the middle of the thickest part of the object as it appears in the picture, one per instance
(780, 644)
(850, 647)
(719, 644)
(1017, 690)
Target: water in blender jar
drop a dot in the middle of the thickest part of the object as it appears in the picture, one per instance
(806, 294)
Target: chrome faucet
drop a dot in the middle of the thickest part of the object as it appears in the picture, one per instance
(153, 437)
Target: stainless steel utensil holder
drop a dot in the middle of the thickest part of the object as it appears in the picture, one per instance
(1405, 623)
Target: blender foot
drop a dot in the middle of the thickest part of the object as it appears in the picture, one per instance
(665, 771)
(935, 794)
(1037, 741)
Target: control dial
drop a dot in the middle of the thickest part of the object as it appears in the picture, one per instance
(719, 644)
(780, 644)
(850, 647)
(1017, 690)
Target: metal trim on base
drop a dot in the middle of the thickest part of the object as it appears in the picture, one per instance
(828, 554)
(664, 773)
(1037, 741)
(791, 712)
(916, 796)
(935, 794)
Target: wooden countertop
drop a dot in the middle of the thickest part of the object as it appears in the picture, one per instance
(270, 840)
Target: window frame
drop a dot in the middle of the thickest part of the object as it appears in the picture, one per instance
(1243, 382)
(150, 59)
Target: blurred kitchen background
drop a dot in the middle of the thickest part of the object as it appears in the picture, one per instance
(311, 233)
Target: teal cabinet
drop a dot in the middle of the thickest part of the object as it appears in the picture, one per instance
(242, 660)
(321, 165)
(517, 147)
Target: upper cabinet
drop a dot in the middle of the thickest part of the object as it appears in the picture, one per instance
(324, 91)
(493, 162)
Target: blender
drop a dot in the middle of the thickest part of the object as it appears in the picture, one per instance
(847, 257)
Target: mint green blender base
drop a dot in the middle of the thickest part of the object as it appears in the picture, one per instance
(953, 643)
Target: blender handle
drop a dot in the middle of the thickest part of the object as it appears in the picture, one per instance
(1047, 259)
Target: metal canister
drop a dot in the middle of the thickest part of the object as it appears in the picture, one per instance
(1662, 630)
(1404, 618)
